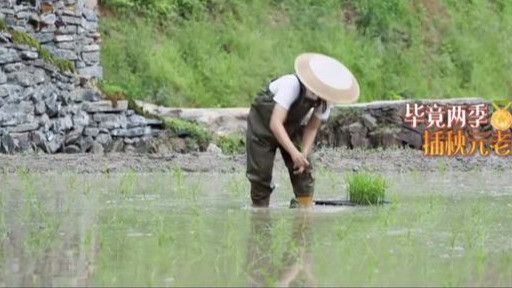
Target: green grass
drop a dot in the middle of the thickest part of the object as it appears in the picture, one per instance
(366, 189)
(182, 128)
(231, 144)
(222, 52)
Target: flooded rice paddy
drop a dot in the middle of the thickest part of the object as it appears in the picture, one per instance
(197, 229)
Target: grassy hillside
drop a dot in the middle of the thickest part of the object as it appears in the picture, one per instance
(221, 52)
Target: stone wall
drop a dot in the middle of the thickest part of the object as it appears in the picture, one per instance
(376, 124)
(67, 28)
(46, 109)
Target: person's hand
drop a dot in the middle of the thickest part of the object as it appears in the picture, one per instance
(300, 162)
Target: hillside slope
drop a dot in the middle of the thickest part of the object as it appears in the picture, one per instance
(221, 52)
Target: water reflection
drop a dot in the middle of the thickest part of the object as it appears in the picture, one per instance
(47, 240)
(268, 264)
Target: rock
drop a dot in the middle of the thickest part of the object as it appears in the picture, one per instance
(136, 121)
(44, 122)
(20, 78)
(369, 121)
(105, 106)
(90, 131)
(25, 127)
(133, 132)
(44, 37)
(10, 90)
(129, 149)
(91, 48)
(103, 138)
(69, 29)
(91, 72)
(81, 119)
(46, 90)
(411, 138)
(110, 121)
(25, 78)
(21, 141)
(37, 137)
(52, 105)
(359, 141)
(3, 78)
(96, 148)
(64, 38)
(54, 143)
(62, 124)
(67, 45)
(71, 149)
(115, 146)
(212, 148)
(16, 113)
(14, 67)
(80, 95)
(356, 128)
(27, 94)
(91, 57)
(39, 108)
(90, 15)
(63, 53)
(49, 19)
(7, 144)
(29, 55)
(73, 137)
(385, 137)
(71, 20)
(9, 57)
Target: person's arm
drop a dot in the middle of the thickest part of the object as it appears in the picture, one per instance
(310, 131)
(277, 119)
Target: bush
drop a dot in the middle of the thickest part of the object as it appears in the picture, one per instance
(191, 132)
(366, 189)
(231, 144)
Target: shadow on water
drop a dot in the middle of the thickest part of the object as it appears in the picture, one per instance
(291, 268)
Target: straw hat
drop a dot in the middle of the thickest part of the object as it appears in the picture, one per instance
(327, 78)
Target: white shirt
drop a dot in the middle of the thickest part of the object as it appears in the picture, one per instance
(286, 90)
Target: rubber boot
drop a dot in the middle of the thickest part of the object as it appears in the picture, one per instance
(302, 202)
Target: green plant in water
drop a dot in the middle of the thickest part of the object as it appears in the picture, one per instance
(366, 189)
(231, 144)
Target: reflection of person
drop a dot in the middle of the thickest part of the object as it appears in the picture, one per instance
(296, 262)
(275, 120)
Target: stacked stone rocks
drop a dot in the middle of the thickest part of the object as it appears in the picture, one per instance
(45, 109)
(378, 124)
(67, 28)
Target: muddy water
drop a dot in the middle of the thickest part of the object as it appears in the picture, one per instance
(179, 229)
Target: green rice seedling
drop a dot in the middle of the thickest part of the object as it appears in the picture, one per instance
(178, 178)
(127, 183)
(366, 189)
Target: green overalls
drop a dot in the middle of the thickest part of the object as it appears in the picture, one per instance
(261, 145)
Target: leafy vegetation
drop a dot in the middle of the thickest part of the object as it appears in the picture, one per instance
(221, 52)
(231, 144)
(366, 189)
(188, 130)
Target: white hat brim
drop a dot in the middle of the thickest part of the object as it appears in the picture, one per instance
(328, 78)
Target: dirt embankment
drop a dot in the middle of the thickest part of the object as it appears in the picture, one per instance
(339, 160)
